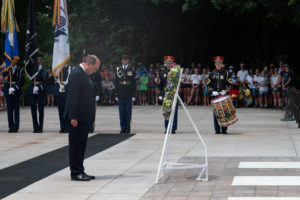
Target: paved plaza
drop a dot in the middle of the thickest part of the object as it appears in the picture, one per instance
(257, 160)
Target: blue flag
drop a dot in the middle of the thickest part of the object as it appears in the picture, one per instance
(11, 51)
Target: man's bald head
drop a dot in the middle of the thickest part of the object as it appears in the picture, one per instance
(91, 63)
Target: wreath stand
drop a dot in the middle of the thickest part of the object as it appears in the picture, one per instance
(164, 164)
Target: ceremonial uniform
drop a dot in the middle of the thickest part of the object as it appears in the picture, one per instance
(218, 84)
(125, 92)
(36, 91)
(96, 79)
(164, 83)
(61, 97)
(12, 95)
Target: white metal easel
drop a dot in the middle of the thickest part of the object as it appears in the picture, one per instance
(163, 164)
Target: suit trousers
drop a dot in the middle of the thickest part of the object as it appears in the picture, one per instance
(77, 143)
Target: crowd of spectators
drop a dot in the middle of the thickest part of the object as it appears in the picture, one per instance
(251, 87)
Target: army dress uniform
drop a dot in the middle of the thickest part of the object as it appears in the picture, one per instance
(218, 84)
(96, 80)
(125, 91)
(60, 94)
(164, 82)
(37, 91)
(12, 95)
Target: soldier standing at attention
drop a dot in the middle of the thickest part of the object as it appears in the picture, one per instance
(217, 83)
(37, 91)
(61, 96)
(12, 90)
(125, 93)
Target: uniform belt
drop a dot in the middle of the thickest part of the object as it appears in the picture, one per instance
(125, 83)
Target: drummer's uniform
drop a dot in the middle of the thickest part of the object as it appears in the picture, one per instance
(38, 98)
(13, 100)
(61, 96)
(218, 81)
(125, 91)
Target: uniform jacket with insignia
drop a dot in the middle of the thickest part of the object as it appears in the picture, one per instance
(66, 72)
(125, 82)
(218, 81)
(41, 81)
(18, 80)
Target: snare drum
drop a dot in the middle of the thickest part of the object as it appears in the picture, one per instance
(224, 111)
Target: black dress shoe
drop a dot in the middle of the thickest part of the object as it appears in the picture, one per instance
(40, 131)
(127, 131)
(15, 131)
(10, 131)
(91, 131)
(80, 177)
(173, 131)
(91, 177)
(224, 132)
(217, 132)
(122, 131)
(35, 131)
(61, 131)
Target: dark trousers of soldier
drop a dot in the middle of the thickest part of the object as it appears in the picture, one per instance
(125, 109)
(175, 121)
(77, 144)
(37, 100)
(217, 126)
(61, 103)
(13, 111)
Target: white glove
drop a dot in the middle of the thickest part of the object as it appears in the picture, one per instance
(215, 93)
(133, 99)
(35, 89)
(97, 98)
(61, 87)
(117, 99)
(223, 92)
(11, 91)
(160, 98)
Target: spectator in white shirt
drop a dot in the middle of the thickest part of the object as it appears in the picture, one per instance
(263, 89)
(242, 74)
(196, 81)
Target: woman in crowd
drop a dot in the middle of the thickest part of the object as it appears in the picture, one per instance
(2, 97)
(143, 88)
(263, 90)
(186, 85)
(196, 81)
(50, 89)
(255, 93)
(151, 88)
(205, 92)
(157, 86)
(276, 88)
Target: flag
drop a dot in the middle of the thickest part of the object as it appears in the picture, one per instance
(9, 27)
(31, 47)
(61, 50)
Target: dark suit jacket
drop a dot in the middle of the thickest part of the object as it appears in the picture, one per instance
(80, 103)
(18, 78)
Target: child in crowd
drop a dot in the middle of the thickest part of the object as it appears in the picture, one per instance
(247, 96)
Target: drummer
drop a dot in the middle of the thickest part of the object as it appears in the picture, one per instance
(218, 84)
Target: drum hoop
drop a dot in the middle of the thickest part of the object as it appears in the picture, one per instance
(220, 97)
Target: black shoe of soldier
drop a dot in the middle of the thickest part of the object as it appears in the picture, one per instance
(173, 131)
(217, 132)
(122, 131)
(10, 131)
(127, 131)
(35, 131)
(224, 132)
(40, 131)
